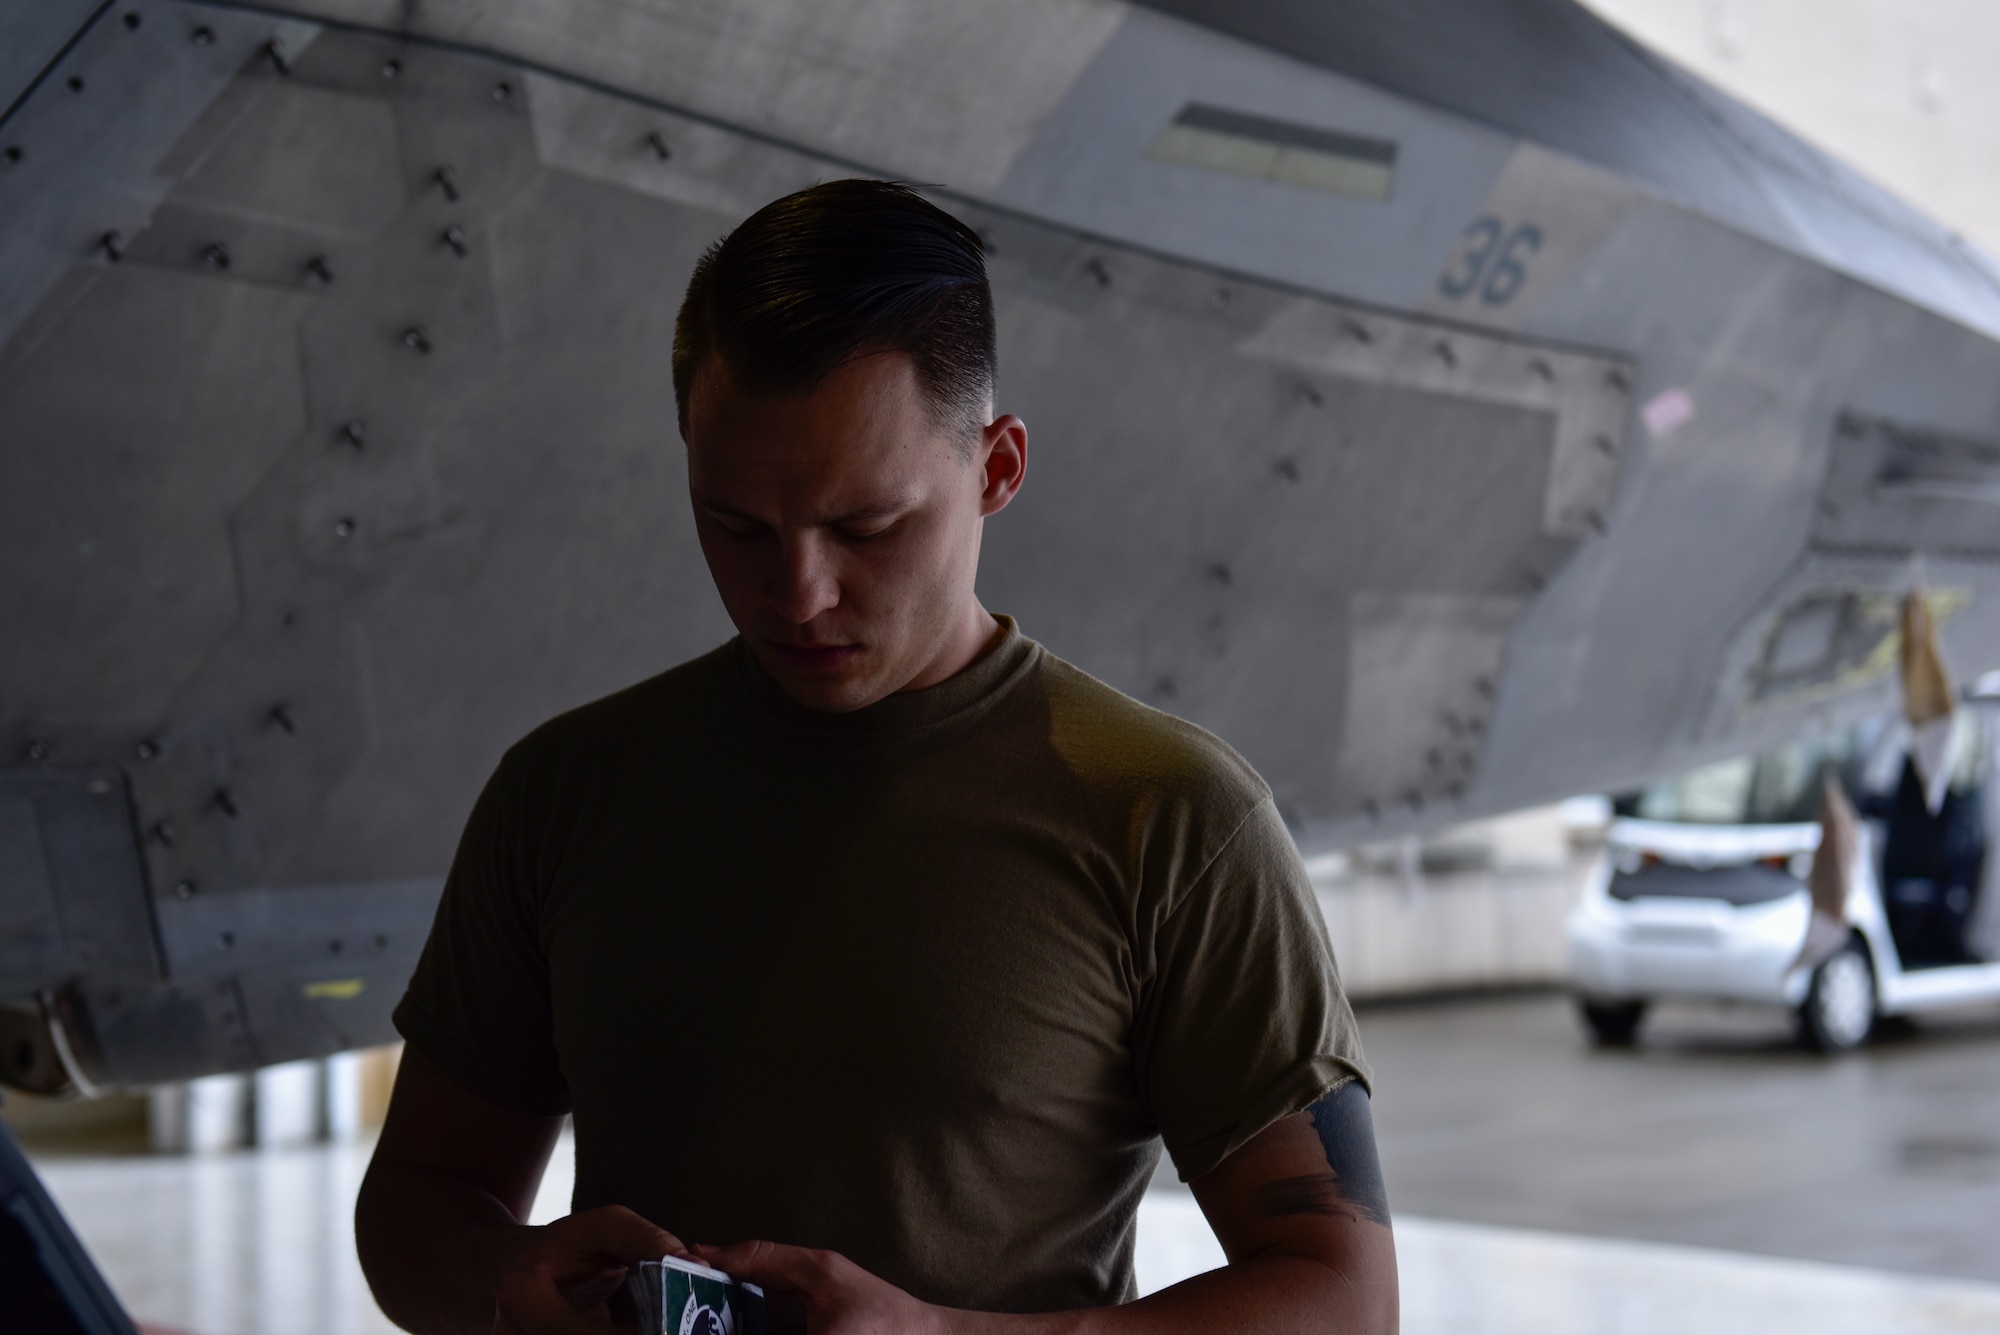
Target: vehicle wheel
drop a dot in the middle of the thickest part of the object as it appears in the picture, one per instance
(1838, 1013)
(1615, 1024)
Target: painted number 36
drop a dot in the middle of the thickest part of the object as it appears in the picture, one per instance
(1492, 262)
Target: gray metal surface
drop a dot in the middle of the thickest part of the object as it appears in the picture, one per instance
(1513, 438)
(1552, 73)
(1271, 524)
(74, 900)
(33, 38)
(1898, 487)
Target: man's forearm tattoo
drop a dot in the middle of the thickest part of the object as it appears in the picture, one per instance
(1354, 1180)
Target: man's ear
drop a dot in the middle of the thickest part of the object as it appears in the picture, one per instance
(1003, 462)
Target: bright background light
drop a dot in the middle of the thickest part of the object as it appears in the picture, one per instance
(1908, 91)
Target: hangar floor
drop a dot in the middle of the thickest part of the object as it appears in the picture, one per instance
(1716, 1131)
(1712, 1180)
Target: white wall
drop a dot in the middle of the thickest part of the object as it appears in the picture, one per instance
(1475, 906)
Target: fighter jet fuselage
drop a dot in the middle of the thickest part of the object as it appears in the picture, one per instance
(1447, 402)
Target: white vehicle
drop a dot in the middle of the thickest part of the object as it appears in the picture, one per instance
(1701, 889)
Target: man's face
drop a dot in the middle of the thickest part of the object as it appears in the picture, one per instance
(842, 527)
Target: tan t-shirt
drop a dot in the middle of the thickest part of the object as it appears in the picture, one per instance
(924, 984)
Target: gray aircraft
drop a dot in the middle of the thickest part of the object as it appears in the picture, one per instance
(1448, 402)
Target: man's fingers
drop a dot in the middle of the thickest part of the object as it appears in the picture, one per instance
(618, 1234)
(576, 1263)
(772, 1264)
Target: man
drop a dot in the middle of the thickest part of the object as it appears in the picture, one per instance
(874, 953)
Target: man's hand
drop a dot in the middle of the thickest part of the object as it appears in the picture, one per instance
(838, 1297)
(558, 1282)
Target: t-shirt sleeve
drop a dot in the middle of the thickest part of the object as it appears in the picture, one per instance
(1243, 1021)
(478, 1005)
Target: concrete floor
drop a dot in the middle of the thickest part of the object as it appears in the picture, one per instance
(257, 1243)
(1697, 1159)
(1476, 1279)
(1715, 1131)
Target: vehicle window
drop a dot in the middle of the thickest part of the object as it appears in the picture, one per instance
(1715, 794)
(1777, 788)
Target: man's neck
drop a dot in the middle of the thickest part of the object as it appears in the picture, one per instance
(978, 635)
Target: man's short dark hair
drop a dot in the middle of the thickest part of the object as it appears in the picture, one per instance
(843, 270)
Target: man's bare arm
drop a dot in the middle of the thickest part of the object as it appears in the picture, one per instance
(1303, 1216)
(1300, 1211)
(439, 1223)
(445, 1201)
